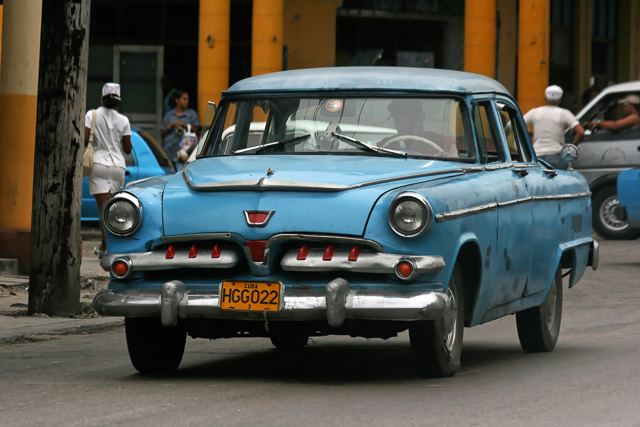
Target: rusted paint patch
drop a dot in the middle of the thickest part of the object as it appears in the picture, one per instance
(576, 222)
(507, 261)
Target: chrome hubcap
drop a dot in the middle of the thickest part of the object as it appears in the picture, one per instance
(608, 218)
(449, 321)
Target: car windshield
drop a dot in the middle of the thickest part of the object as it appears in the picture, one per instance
(375, 126)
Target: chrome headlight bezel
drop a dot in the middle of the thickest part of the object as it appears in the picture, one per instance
(123, 198)
(422, 202)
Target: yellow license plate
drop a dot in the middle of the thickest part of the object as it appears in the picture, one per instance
(250, 296)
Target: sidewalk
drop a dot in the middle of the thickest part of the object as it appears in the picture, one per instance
(16, 326)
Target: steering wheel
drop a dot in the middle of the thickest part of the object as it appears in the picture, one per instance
(425, 141)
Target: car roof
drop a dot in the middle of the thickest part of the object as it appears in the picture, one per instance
(621, 87)
(368, 79)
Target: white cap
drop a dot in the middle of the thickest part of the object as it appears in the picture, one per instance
(553, 93)
(112, 89)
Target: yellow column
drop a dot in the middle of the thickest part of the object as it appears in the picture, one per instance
(480, 37)
(310, 23)
(583, 20)
(533, 53)
(213, 52)
(18, 109)
(628, 40)
(1, 13)
(266, 37)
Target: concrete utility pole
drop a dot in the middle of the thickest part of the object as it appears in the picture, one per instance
(54, 286)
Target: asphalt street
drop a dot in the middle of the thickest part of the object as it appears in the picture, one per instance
(591, 379)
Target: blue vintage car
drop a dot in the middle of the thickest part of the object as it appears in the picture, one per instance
(629, 196)
(322, 225)
(147, 159)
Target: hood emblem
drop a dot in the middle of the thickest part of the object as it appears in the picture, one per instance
(270, 172)
(258, 218)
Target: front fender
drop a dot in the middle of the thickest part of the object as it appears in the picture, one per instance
(149, 192)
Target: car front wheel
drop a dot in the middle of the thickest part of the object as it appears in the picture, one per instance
(539, 327)
(605, 222)
(153, 348)
(437, 344)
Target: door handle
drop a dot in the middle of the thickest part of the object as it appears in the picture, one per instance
(521, 171)
(550, 172)
(126, 172)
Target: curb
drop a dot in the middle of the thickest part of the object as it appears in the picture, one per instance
(73, 326)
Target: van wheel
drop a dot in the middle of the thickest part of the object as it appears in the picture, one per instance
(539, 327)
(437, 344)
(153, 348)
(605, 222)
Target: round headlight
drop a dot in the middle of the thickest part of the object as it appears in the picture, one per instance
(122, 215)
(410, 215)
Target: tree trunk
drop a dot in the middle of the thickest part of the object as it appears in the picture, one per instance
(54, 286)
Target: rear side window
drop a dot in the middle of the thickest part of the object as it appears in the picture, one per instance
(488, 146)
(162, 158)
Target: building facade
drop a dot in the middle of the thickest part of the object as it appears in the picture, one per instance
(203, 46)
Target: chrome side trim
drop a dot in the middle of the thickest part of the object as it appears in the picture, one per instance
(156, 260)
(337, 297)
(515, 202)
(563, 196)
(461, 213)
(367, 262)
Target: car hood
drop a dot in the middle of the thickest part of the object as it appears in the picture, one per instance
(308, 193)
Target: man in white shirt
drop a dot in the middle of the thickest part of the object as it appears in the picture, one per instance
(550, 123)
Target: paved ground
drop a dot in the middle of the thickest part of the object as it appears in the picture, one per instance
(14, 296)
(591, 379)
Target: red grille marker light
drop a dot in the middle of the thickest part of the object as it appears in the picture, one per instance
(405, 269)
(216, 251)
(354, 254)
(194, 251)
(121, 268)
(256, 247)
(304, 251)
(171, 252)
(328, 253)
(257, 218)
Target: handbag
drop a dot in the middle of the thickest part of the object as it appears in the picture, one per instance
(87, 159)
(187, 145)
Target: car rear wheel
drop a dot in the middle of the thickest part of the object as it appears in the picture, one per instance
(289, 341)
(539, 327)
(437, 344)
(153, 348)
(605, 222)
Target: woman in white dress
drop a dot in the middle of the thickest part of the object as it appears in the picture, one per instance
(111, 140)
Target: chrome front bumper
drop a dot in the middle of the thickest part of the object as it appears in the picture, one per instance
(335, 303)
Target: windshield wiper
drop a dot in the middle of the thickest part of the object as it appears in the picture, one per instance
(271, 144)
(370, 147)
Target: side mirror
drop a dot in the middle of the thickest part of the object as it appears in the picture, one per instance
(570, 154)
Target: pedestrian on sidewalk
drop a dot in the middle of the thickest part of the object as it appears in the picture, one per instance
(550, 122)
(175, 124)
(112, 139)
